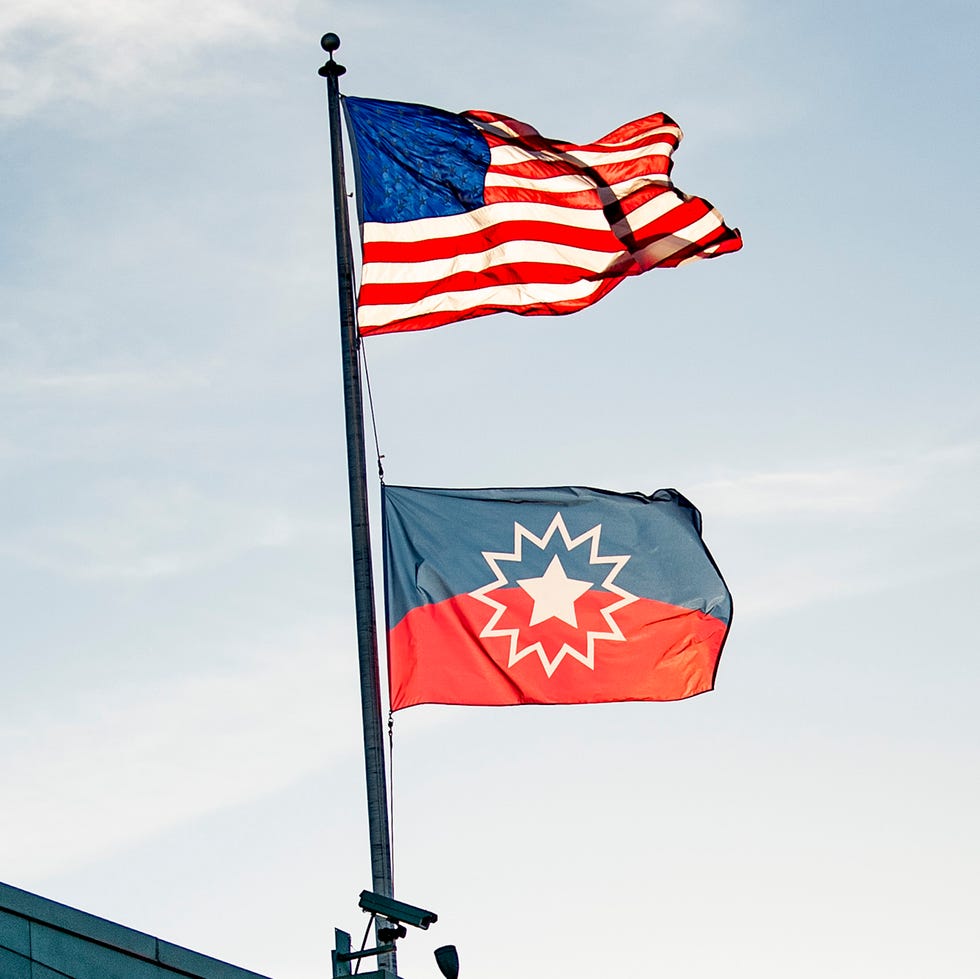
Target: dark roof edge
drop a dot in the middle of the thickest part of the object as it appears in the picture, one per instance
(108, 933)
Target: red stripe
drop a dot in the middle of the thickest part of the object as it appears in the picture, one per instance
(570, 157)
(397, 293)
(651, 164)
(637, 127)
(534, 168)
(597, 178)
(493, 236)
(726, 240)
(647, 166)
(428, 321)
(582, 200)
(531, 138)
(643, 195)
(676, 219)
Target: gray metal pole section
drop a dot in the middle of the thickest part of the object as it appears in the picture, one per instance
(367, 636)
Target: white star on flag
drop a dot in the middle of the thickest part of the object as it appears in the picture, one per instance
(554, 595)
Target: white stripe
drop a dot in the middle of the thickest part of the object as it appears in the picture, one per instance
(509, 253)
(508, 155)
(662, 249)
(598, 159)
(501, 127)
(571, 183)
(516, 295)
(655, 130)
(454, 225)
(649, 212)
(710, 252)
(562, 183)
(692, 232)
(710, 222)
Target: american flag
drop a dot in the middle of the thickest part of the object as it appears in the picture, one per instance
(468, 214)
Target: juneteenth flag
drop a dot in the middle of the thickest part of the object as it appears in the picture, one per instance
(565, 595)
(474, 213)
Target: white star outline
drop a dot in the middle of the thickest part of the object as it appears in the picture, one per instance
(586, 658)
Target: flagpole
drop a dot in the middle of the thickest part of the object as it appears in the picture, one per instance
(367, 636)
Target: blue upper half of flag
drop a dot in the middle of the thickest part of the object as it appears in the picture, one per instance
(414, 161)
(436, 539)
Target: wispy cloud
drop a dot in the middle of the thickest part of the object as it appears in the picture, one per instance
(696, 14)
(91, 50)
(96, 384)
(132, 530)
(795, 538)
(704, 13)
(811, 493)
(123, 763)
(858, 489)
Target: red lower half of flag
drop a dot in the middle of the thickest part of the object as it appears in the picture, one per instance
(471, 651)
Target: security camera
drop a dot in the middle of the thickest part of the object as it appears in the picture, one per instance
(392, 932)
(394, 910)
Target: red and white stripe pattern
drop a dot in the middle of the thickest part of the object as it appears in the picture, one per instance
(561, 226)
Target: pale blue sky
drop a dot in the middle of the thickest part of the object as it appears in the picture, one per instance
(178, 704)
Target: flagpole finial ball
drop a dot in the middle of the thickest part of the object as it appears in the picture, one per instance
(330, 42)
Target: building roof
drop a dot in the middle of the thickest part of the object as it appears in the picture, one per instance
(41, 939)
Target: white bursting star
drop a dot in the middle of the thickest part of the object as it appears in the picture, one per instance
(554, 595)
